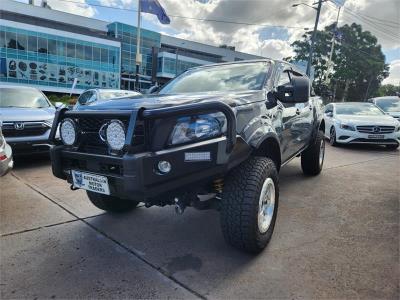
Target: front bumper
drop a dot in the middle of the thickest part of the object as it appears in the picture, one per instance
(135, 176)
(355, 137)
(30, 144)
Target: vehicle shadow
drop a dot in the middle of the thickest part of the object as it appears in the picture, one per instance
(31, 161)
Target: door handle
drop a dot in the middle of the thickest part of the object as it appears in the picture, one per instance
(297, 111)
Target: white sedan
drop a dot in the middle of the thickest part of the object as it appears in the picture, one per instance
(360, 123)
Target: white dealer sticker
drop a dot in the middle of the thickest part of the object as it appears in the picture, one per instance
(90, 182)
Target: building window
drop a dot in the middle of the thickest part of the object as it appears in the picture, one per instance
(96, 54)
(3, 39)
(104, 55)
(52, 47)
(80, 51)
(42, 45)
(32, 43)
(61, 51)
(88, 52)
(11, 40)
(22, 42)
(71, 49)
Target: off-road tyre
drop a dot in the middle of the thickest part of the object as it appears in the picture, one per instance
(240, 204)
(311, 160)
(111, 203)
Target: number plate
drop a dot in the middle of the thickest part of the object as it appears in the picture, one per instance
(376, 136)
(90, 182)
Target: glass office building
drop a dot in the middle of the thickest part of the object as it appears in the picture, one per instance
(149, 41)
(48, 49)
(36, 58)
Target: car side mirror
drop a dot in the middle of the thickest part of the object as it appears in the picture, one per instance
(329, 114)
(298, 90)
(59, 105)
(153, 89)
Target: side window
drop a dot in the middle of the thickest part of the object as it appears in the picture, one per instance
(284, 78)
(87, 97)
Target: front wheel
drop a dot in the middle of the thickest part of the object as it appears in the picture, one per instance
(111, 203)
(332, 137)
(312, 159)
(249, 204)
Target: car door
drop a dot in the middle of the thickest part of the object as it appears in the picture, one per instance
(289, 112)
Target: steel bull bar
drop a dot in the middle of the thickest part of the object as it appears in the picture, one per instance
(152, 114)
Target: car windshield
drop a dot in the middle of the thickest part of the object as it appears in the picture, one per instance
(22, 98)
(116, 94)
(389, 104)
(222, 78)
(359, 109)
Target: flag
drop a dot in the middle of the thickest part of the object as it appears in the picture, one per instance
(154, 7)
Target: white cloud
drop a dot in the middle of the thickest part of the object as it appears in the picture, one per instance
(394, 77)
(79, 8)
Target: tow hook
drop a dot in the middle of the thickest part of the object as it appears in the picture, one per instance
(73, 188)
(179, 206)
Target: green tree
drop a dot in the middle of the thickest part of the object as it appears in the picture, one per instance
(388, 90)
(358, 62)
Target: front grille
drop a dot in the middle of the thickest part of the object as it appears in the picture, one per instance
(375, 129)
(373, 141)
(25, 129)
(89, 127)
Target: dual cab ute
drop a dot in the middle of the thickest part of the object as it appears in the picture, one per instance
(214, 137)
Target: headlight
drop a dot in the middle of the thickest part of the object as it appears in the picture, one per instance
(188, 129)
(347, 127)
(49, 122)
(115, 135)
(68, 132)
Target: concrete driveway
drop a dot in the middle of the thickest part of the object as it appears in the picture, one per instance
(337, 236)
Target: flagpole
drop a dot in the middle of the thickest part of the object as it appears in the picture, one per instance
(138, 55)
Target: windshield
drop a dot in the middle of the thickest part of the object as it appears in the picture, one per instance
(22, 98)
(234, 77)
(389, 104)
(359, 109)
(116, 94)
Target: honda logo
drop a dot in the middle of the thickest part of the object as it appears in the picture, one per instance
(19, 126)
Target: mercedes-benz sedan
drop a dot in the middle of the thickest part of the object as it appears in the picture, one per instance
(360, 123)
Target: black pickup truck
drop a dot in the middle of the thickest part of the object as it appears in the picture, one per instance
(215, 137)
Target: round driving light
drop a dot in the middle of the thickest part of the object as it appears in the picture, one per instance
(115, 135)
(68, 132)
(164, 166)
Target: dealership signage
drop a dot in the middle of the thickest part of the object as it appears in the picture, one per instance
(60, 74)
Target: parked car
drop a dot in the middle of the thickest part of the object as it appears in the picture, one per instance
(93, 95)
(27, 117)
(360, 123)
(214, 137)
(390, 105)
(6, 158)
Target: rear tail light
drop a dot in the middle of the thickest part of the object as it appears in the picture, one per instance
(3, 157)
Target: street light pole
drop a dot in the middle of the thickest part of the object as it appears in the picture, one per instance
(313, 38)
(330, 63)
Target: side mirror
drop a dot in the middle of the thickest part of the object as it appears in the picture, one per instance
(298, 90)
(329, 114)
(59, 105)
(153, 89)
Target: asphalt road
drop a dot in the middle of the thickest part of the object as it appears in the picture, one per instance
(337, 236)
